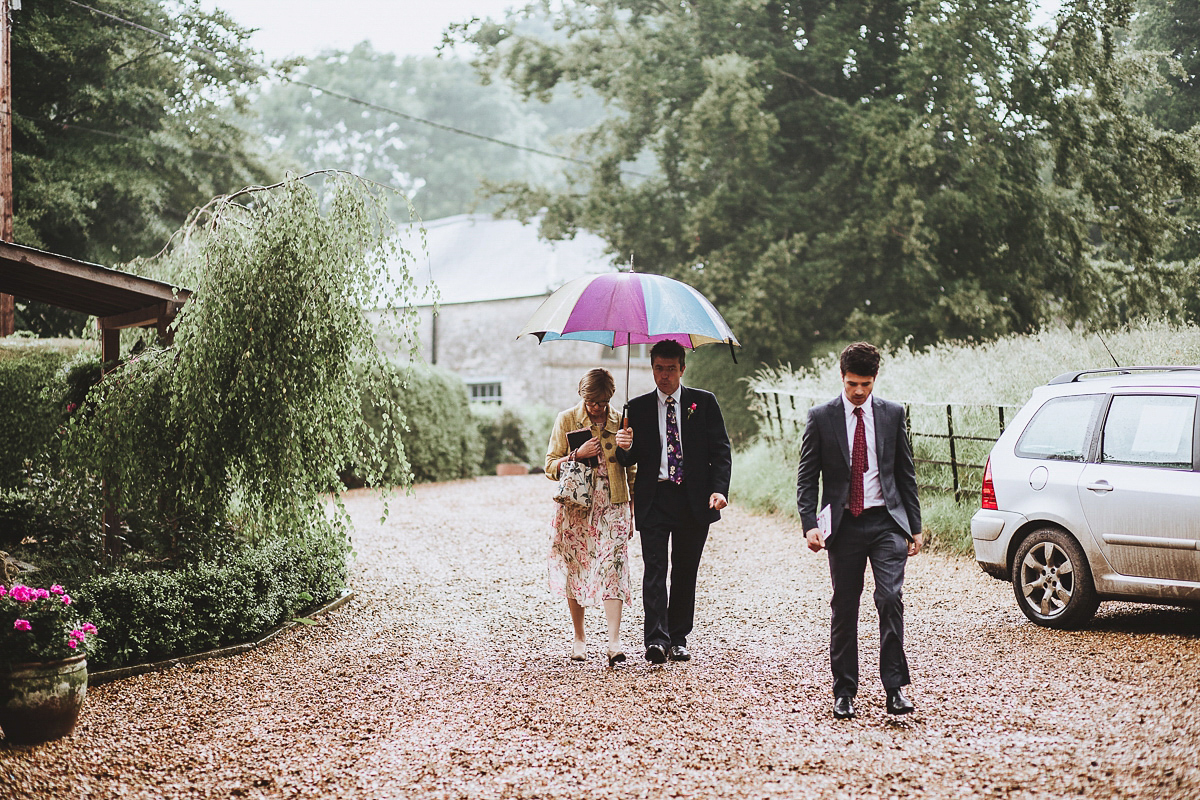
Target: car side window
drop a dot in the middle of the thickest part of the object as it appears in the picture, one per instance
(1061, 429)
(1150, 430)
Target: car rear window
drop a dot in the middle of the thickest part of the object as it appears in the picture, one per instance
(1150, 430)
(1061, 428)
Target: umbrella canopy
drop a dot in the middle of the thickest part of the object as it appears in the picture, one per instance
(617, 309)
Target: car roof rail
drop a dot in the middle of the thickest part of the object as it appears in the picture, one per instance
(1072, 377)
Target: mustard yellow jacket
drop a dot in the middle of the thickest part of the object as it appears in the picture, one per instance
(619, 478)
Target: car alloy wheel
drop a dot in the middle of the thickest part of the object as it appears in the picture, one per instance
(1051, 579)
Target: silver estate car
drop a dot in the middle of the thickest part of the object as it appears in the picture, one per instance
(1093, 493)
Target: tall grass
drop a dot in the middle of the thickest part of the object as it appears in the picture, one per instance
(973, 378)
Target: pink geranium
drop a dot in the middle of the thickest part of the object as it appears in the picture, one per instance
(22, 594)
(22, 625)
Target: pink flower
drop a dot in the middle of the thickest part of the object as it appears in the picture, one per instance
(71, 407)
(56, 589)
(72, 644)
(3, 591)
(22, 594)
(89, 627)
(40, 594)
(22, 625)
(77, 634)
(66, 598)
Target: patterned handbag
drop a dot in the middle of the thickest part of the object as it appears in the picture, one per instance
(574, 484)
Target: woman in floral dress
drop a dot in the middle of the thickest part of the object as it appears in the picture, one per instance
(589, 557)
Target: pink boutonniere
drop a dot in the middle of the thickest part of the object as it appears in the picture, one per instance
(690, 409)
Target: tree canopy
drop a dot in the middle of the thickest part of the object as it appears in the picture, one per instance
(905, 171)
(441, 171)
(118, 134)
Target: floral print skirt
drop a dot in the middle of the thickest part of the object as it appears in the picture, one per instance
(589, 557)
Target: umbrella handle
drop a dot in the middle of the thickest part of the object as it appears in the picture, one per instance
(624, 414)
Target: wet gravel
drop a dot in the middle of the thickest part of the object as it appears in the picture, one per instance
(447, 676)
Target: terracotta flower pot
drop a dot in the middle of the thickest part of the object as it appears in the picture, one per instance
(41, 701)
(506, 468)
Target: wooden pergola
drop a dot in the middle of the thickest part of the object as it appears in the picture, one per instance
(116, 299)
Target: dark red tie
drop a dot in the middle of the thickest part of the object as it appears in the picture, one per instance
(858, 464)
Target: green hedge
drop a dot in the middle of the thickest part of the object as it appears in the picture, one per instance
(28, 417)
(154, 615)
(441, 441)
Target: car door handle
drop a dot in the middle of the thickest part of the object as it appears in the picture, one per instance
(1100, 486)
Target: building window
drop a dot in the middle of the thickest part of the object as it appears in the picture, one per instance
(486, 392)
(636, 351)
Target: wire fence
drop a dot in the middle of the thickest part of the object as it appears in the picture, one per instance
(950, 441)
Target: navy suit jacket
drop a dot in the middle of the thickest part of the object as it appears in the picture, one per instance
(825, 455)
(706, 453)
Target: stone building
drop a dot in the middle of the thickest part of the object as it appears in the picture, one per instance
(492, 274)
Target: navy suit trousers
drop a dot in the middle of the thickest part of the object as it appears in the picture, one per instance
(873, 536)
(669, 521)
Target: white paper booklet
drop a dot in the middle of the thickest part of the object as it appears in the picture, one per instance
(824, 522)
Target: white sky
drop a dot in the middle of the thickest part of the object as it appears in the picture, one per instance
(404, 27)
(305, 27)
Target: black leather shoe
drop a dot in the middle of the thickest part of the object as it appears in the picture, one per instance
(679, 653)
(843, 708)
(897, 703)
(655, 654)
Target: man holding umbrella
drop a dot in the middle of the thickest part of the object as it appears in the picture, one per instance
(677, 438)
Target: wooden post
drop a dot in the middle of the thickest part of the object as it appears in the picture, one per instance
(953, 455)
(8, 311)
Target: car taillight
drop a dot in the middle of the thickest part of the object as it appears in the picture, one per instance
(988, 498)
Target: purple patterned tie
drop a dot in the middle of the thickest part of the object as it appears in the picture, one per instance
(858, 464)
(674, 451)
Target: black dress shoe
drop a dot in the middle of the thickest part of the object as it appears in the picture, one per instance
(655, 654)
(843, 708)
(679, 653)
(897, 703)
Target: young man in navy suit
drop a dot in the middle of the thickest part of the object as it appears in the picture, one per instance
(857, 446)
(677, 438)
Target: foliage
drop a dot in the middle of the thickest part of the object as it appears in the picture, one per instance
(441, 439)
(40, 625)
(506, 438)
(1004, 371)
(440, 171)
(118, 133)
(156, 614)
(902, 171)
(246, 420)
(30, 417)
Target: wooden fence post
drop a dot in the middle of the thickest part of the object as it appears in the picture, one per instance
(953, 456)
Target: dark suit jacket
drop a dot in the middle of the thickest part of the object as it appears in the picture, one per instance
(706, 453)
(825, 454)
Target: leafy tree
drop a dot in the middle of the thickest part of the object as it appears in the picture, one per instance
(117, 133)
(904, 171)
(441, 171)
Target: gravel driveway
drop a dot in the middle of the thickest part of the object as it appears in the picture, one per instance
(448, 677)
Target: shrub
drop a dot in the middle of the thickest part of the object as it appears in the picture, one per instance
(505, 437)
(157, 614)
(30, 383)
(441, 440)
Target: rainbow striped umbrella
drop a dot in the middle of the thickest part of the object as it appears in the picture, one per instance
(624, 308)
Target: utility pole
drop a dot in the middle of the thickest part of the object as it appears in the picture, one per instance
(7, 302)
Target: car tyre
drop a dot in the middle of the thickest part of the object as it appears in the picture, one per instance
(1052, 580)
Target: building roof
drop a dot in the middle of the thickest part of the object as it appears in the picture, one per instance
(473, 258)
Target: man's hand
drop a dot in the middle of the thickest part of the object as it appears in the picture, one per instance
(717, 500)
(914, 546)
(814, 540)
(625, 437)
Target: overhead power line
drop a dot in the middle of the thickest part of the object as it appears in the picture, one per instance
(344, 96)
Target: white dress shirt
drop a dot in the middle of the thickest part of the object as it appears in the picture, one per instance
(662, 428)
(872, 489)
